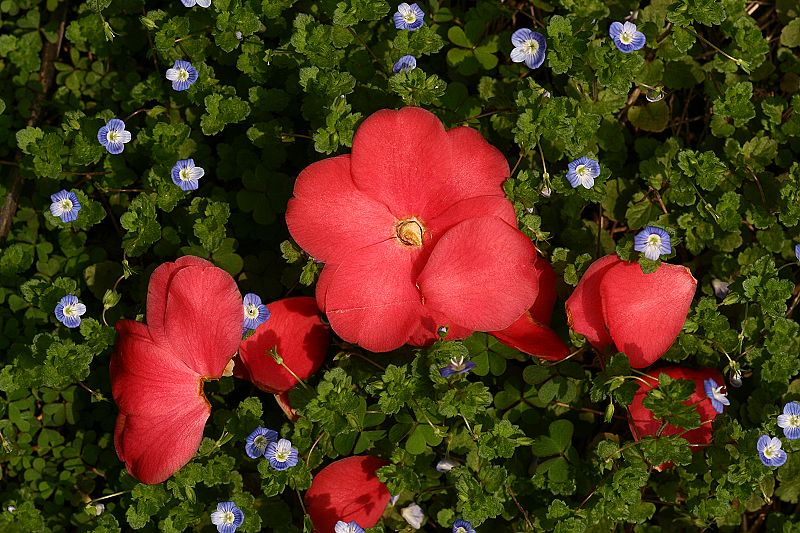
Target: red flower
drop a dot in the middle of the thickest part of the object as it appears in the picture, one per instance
(297, 334)
(194, 325)
(530, 334)
(641, 314)
(415, 232)
(641, 418)
(347, 490)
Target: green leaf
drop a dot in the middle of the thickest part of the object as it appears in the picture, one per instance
(651, 117)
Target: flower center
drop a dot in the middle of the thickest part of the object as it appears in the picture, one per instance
(112, 136)
(185, 175)
(66, 205)
(794, 421)
(530, 47)
(260, 442)
(581, 171)
(70, 310)
(626, 37)
(282, 454)
(770, 451)
(654, 240)
(228, 517)
(409, 232)
(251, 311)
(409, 16)
(461, 530)
(183, 74)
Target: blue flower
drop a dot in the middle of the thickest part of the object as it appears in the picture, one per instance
(69, 311)
(113, 136)
(192, 3)
(769, 449)
(583, 171)
(529, 46)
(185, 174)
(797, 251)
(281, 455)
(182, 74)
(404, 64)
(462, 526)
(626, 37)
(255, 312)
(256, 443)
(345, 527)
(65, 205)
(720, 287)
(227, 517)
(408, 17)
(456, 366)
(653, 242)
(413, 515)
(714, 392)
(790, 420)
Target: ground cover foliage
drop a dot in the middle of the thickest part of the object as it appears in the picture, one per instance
(698, 133)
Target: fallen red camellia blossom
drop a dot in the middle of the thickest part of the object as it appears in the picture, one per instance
(194, 326)
(347, 490)
(415, 232)
(294, 330)
(615, 304)
(641, 418)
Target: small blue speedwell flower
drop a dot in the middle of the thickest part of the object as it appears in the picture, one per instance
(227, 517)
(255, 312)
(719, 399)
(65, 205)
(69, 311)
(185, 175)
(456, 366)
(790, 420)
(408, 17)
(583, 171)
(405, 64)
(255, 445)
(413, 515)
(192, 3)
(281, 455)
(626, 37)
(653, 242)
(769, 449)
(797, 251)
(462, 526)
(182, 74)
(347, 527)
(529, 47)
(113, 136)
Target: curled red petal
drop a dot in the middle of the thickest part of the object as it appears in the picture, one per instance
(641, 419)
(347, 490)
(295, 331)
(585, 308)
(542, 308)
(285, 404)
(533, 338)
(645, 313)
(158, 289)
(480, 275)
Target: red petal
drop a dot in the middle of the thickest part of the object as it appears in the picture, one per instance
(584, 308)
(323, 281)
(295, 330)
(533, 338)
(480, 275)
(329, 217)
(542, 308)
(641, 419)
(158, 289)
(645, 312)
(347, 490)
(428, 330)
(371, 300)
(406, 160)
(203, 318)
(283, 402)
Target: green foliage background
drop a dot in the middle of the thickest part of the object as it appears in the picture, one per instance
(543, 447)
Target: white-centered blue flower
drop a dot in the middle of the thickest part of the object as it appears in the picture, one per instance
(281, 455)
(255, 312)
(405, 64)
(408, 17)
(69, 311)
(462, 526)
(413, 515)
(456, 366)
(790, 420)
(653, 242)
(718, 397)
(113, 136)
(182, 74)
(583, 171)
(255, 445)
(797, 251)
(192, 3)
(347, 527)
(626, 37)
(529, 47)
(769, 450)
(227, 517)
(186, 175)
(65, 205)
